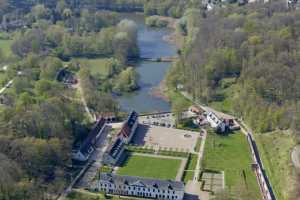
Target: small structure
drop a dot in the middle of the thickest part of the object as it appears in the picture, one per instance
(129, 127)
(140, 187)
(117, 147)
(196, 109)
(65, 76)
(215, 122)
(109, 116)
(88, 146)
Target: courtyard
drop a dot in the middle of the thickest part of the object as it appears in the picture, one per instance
(162, 137)
(151, 166)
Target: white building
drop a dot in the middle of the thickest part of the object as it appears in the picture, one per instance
(216, 122)
(140, 187)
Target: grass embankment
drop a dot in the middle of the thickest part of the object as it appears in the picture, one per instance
(275, 150)
(5, 47)
(175, 96)
(150, 167)
(226, 94)
(97, 66)
(86, 195)
(191, 165)
(231, 154)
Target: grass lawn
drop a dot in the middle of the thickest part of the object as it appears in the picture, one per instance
(191, 165)
(2, 78)
(5, 47)
(275, 150)
(230, 154)
(227, 92)
(151, 167)
(177, 96)
(96, 65)
(86, 195)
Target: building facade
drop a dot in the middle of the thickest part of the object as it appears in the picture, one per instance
(117, 147)
(88, 146)
(216, 122)
(140, 187)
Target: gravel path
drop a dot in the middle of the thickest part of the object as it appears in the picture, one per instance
(296, 157)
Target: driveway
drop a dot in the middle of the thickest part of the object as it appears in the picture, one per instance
(296, 157)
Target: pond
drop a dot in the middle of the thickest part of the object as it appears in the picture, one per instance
(152, 45)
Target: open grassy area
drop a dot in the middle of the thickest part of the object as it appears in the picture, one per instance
(86, 195)
(227, 92)
(151, 167)
(176, 96)
(191, 165)
(5, 47)
(275, 150)
(230, 154)
(96, 65)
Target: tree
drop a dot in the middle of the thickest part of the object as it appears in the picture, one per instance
(127, 80)
(50, 68)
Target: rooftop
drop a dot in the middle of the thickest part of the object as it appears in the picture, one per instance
(142, 182)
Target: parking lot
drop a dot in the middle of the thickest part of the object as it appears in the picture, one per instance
(165, 120)
(163, 137)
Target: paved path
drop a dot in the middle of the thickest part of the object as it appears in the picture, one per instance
(92, 117)
(7, 85)
(296, 157)
(200, 156)
(181, 168)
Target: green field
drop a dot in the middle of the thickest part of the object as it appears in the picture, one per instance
(191, 165)
(5, 47)
(227, 93)
(97, 66)
(86, 195)
(230, 154)
(275, 150)
(151, 167)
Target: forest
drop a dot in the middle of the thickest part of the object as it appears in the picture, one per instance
(250, 51)
(244, 60)
(44, 37)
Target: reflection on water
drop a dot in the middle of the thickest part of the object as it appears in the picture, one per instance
(151, 45)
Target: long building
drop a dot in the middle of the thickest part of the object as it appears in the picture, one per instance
(88, 146)
(116, 148)
(140, 187)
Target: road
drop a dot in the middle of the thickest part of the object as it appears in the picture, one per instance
(244, 128)
(7, 85)
(296, 157)
(90, 169)
(200, 157)
(91, 117)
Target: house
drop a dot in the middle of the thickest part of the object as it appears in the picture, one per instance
(88, 146)
(65, 76)
(216, 122)
(196, 110)
(129, 127)
(140, 187)
(125, 135)
(109, 116)
(114, 152)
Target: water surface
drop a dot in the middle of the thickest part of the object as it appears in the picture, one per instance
(151, 45)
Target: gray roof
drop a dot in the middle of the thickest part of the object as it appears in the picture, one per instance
(142, 182)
